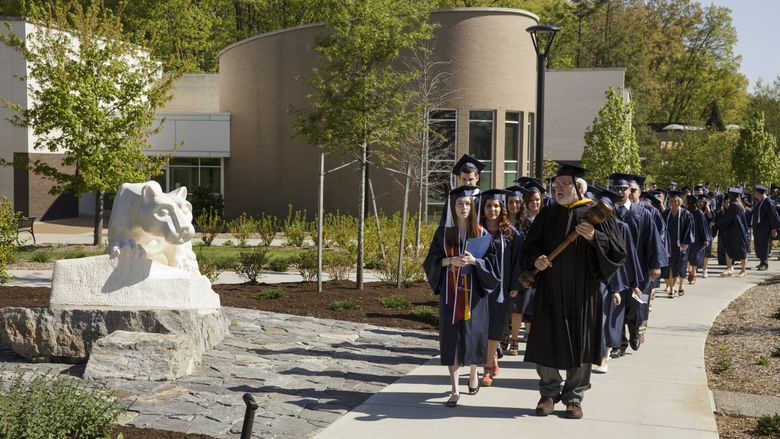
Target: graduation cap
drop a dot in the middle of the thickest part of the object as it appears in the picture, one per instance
(703, 197)
(652, 198)
(698, 187)
(773, 187)
(761, 189)
(613, 197)
(531, 184)
(691, 199)
(517, 191)
(571, 171)
(685, 189)
(494, 194)
(467, 163)
(672, 183)
(675, 194)
(735, 191)
(638, 179)
(619, 179)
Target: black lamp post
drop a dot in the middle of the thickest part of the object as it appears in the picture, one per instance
(542, 36)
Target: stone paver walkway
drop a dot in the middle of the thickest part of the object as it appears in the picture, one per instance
(305, 373)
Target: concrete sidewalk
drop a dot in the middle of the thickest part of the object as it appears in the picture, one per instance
(659, 391)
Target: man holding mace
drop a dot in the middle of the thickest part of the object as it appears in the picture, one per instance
(568, 303)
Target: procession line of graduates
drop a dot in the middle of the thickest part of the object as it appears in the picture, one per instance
(594, 301)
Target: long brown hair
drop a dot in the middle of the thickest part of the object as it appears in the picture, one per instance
(502, 220)
(451, 233)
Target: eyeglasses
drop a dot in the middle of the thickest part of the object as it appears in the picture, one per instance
(620, 188)
(633, 189)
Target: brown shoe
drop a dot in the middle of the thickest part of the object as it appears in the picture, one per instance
(573, 410)
(546, 405)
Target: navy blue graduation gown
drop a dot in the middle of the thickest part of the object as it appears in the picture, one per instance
(679, 231)
(649, 244)
(764, 220)
(625, 279)
(567, 308)
(702, 235)
(500, 304)
(470, 336)
(733, 231)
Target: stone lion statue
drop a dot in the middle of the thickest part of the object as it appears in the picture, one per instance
(147, 222)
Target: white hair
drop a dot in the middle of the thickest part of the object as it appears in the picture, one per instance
(582, 185)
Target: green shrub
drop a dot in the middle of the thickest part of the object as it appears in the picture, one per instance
(227, 262)
(40, 256)
(242, 228)
(340, 229)
(251, 264)
(203, 200)
(339, 265)
(9, 221)
(768, 425)
(396, 301)
(228, 243)
(306, 264)
(55, 406)
(280, 263)
(344, 305)
(776, 352)
(295, 227)
(724, 359)
(762, 361)
(267, 226)
(269, 294)
(426, 314)
(77, 252)
(210, 223)
(208, 267)
(411, 272)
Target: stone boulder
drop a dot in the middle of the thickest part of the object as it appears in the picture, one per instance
(68, 335)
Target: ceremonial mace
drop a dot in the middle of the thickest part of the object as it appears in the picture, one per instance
(595, 215)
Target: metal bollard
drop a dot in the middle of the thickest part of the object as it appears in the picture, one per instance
(249, 416)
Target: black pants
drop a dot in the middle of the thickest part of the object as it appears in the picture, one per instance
(577, 382)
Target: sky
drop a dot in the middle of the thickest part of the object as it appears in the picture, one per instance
(758, 35)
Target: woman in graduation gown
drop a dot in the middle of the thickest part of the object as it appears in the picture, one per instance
(702, 237)
(515, 205)
(508, 243)
(733, 229)
(463, 283)
(679, 235)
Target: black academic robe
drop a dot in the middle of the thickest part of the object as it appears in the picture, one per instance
(764, 220)
(679, 232)
(649, 244)
(733, 232)
(508, 258)
(702, 236)
(467, 337)
(568, 304)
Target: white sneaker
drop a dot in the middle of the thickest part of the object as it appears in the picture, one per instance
(599, 369)
(705, 274)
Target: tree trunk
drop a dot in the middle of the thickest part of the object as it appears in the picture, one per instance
(403, 225)
(97, 233)
(376, 218)
(361, 216)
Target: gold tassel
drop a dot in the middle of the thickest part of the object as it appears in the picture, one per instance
(467, 304)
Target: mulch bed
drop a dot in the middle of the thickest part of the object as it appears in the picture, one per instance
(300, 298)
(739, 352)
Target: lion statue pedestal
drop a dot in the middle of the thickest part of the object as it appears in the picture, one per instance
(142, 311)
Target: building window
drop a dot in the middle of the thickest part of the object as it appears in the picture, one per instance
(513, 133)
(481, 144)
(192, 173)
(530, 145)
(442, 151)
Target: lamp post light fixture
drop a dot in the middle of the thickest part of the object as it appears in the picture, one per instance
(542, 36)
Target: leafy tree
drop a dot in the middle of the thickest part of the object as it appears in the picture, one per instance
(766, 98)
(359, 97)
(755, 158)
(713, 118)
(94, 97)
(610, 144)
(699, 156)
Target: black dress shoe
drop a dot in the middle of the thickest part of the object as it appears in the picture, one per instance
(617, 353)
(762, 267)
(634, 342)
